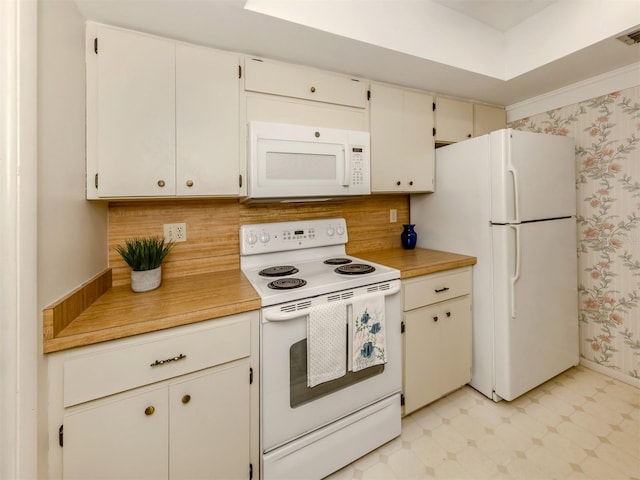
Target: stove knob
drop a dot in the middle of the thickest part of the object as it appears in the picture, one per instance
(252, 238)
(340, 230)
(330, 231)
(265, 237)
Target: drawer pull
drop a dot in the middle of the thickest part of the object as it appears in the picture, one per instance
(443, 289)
(186, 399)
(149, 410)
(172, 359)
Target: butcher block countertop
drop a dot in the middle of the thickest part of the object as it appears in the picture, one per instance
(97, 312)
(420, 261)
(119, 312)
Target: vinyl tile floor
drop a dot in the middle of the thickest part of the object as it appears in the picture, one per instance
(578, 425)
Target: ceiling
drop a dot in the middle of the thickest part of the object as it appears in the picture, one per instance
(494, 51)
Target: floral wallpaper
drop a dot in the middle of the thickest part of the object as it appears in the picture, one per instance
(607, 135)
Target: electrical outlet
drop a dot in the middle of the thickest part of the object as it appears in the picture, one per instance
(393, 215)
(175, 232)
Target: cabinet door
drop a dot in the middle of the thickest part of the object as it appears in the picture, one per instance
(207, 111)
(210, 425)
(454, 120)
(402, 146)
(387, 125)
(294, 81)
(486, 119)
(454, 322)
(134, 114)
(421, 358)
(419, 143)
(121, 437)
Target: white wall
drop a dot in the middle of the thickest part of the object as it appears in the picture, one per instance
(72, 232)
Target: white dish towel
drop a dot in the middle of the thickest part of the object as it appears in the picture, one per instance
(326, 343)
(368, 332)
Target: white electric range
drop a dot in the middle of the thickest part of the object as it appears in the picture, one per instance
(296, 268)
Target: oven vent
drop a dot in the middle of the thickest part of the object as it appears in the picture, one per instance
(379, 287)
(631, 38)
(296, 306)
(340, 296)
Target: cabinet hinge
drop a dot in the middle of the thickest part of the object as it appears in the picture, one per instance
(240, 181)
(239, 71)
(61, 435)
(402, 327)
(368, 94)
(250, 471)
(95, 180)
(95, 45)
(434, 106)
(402, 399)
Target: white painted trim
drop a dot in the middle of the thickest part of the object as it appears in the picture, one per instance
(613, 81)
(610, 373)
(18, 256)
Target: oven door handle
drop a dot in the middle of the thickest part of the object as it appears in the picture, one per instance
(275, 315)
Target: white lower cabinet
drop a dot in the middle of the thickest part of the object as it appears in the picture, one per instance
(437, 336)
(193, 417)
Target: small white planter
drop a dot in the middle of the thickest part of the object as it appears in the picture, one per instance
(143, 281)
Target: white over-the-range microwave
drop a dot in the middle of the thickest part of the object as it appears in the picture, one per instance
(297, 163)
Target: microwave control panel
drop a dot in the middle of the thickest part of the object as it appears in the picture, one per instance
(357, 165)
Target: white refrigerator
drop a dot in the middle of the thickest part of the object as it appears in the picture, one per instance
(509, 199)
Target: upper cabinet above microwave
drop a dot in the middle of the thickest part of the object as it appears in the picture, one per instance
(276, 78)
(162, 117)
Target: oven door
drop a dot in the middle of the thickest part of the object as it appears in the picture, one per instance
(289, 408)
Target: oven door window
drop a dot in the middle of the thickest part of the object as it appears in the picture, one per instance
(300, 393)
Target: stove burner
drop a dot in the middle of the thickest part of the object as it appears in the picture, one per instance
(278, 271)
(287, 283)
(337, 261)
(355, 269)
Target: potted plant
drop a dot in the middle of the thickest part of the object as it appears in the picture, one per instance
(144, 256)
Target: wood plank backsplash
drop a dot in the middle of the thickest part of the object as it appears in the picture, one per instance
(212, 228)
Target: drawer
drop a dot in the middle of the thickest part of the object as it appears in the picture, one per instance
(308, 84)
(154, 357)
(428, 289)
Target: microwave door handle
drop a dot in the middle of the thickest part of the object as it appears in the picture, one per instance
(347, 168)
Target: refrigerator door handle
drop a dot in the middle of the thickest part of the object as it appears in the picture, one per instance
(516, 208)
(516, 273)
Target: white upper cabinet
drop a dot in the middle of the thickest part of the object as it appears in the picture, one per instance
(207, 110)
(487, 118)
(454, 120)
(402, 144)
(457, 120)
(275, 78)
(161, 117)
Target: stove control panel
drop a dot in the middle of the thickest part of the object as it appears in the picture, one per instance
(281, 236)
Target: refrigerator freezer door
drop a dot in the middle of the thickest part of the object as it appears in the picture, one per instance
(536, 304)
(532, 176)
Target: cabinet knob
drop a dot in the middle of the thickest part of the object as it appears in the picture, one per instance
(435, 319)
(411, 183)
(186, 399)
(149, 410)
(398, 183)
(448, 314)
(469, 135)
(313, 89)
(189, 183)
(161, 183)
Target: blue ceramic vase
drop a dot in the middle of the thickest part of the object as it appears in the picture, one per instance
(409, 237)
